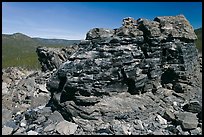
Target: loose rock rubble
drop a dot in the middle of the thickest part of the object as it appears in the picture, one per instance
(143, 78)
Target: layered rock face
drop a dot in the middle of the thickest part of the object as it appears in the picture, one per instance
(51, 58)
(135, 57)
(141, 56)
(142, 78)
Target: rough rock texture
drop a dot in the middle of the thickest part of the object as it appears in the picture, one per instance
(188, 120)
(99, 81)
(143, 78)
(51, 58)
(200, 60)
(24, 91)
(66, 128)
(25, 105)
(24, 88)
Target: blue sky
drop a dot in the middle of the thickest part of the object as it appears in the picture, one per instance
(72, 20)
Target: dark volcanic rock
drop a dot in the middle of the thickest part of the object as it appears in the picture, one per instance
(141, 56)
(138, 79)
(193, 106)
(187, 120)
(177, 27)
(99, 33)
(51, 58)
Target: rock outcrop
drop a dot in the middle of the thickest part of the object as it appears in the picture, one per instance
(51, 58)
(101, 79)
(143, 78)
(24, 104)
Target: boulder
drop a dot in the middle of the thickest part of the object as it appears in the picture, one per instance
(187, 120)
(141, 56)
(66, 128)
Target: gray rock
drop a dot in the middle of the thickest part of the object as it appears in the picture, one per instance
(51, 58)
(45, 111)
(200, 116)
(66, 128)
(138, 125)
(43, 88)
(23, 123)
(32, 132)
(181, 132)
(180, 87)
(188, 120)
(169, 116)
(40, 130)
(81, 100)
(98, 33)
(56, 117)
(161, 120)
(20, 131)
(100, 80)
(7, 130)
(32, 127)
(126, 129)
(197, 131)
(133, 32)
(12, 124)
(104, 128)
(190, 124)
(40, 120)
(40, 100)
(4, 88)
(152, 27)
(30, 116)
(167, 92)
(129, 22)
(116, 127)
(158, 132)
(6, 116)
(50, 127)
(173, 129)
(173, 25)
(193, 106)
(29, 84)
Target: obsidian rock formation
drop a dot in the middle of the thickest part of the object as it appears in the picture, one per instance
(52, 58)
(143, 78)
(141, 56)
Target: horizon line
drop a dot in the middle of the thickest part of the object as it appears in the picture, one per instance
(56, 37)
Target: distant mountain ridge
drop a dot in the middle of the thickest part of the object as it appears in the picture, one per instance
(16, 35)
(36, 41)
(20, 50)
(57, 41)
